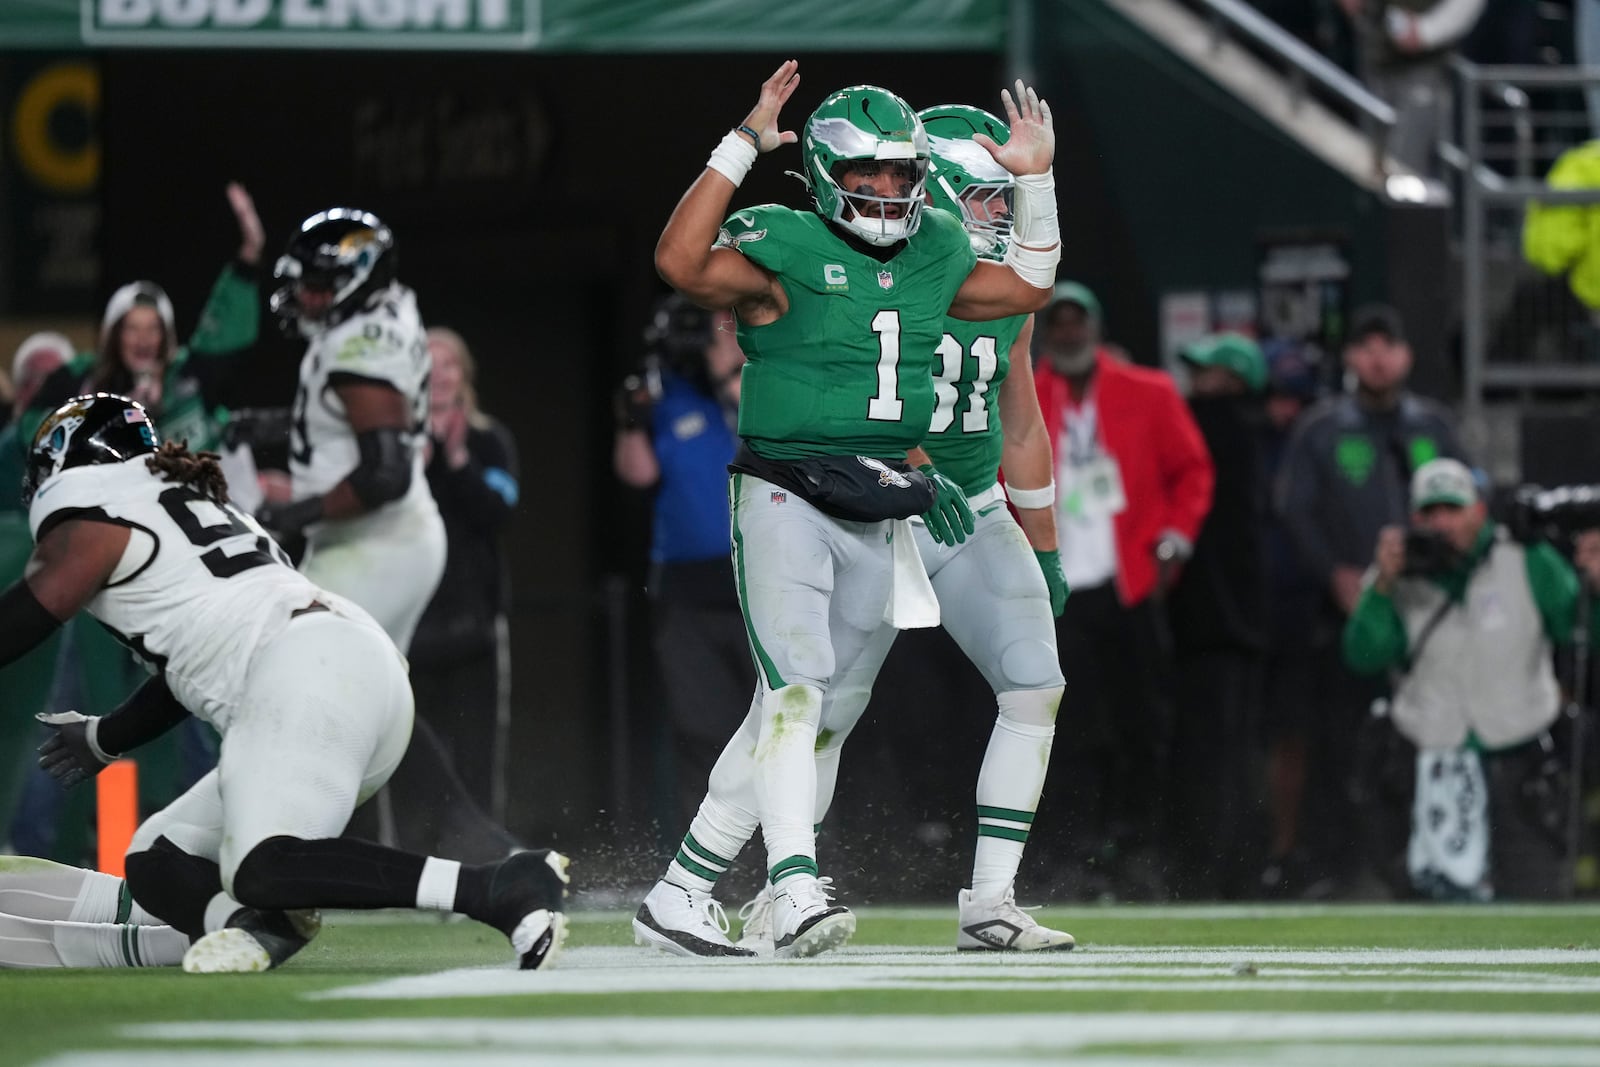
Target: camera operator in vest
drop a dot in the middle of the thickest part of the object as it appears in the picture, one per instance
(1467, 620)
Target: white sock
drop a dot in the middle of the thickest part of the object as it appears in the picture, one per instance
(436, 889)
(786, 776)
(43, 889)
(715, 837)
(38, 943)
(1009, 786)
(118, 945)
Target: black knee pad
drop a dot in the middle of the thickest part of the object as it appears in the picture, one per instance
(172, 885)
(259, 879)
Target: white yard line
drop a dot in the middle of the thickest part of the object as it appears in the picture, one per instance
(1440, 1054)
(892, 1034)
(1245, 969)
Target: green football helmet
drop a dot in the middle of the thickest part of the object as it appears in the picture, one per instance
(869, 130)
(965, 179)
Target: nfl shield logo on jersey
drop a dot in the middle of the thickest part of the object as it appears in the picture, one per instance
(885, 280)
(778, 497)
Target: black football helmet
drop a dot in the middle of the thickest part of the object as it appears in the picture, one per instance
(344, 251)
(97, 428)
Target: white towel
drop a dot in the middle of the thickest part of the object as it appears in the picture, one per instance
(912, 603)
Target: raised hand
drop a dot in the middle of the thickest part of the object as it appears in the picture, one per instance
(252, 238)
(775, 92)
(1032, 146)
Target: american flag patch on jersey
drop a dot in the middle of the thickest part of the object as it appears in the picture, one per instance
(779, 498)
(132, 415)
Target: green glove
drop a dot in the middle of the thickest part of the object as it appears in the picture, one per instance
(950, 518)
(1054, 578)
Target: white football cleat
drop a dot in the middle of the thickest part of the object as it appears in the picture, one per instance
(684, 922)
(803, 922)
(756, 933)
(252, 941)
(998, 925)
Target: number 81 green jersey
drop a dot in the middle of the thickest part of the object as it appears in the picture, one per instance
(848, 370)
(965, 437)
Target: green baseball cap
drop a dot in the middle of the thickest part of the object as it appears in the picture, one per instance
(1076, 293)
(1231, 351)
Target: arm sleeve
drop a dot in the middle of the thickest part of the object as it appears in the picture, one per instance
(230, 322)
(1295, 497)
(1187, 470)
(151, 711)
(1554, 585)
(1374, 635)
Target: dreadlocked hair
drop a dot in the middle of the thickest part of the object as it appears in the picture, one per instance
(198, 470)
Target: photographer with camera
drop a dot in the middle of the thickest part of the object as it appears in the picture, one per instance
(676, 420)
(1467, 619)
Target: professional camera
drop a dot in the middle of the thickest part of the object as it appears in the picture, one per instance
(1554, 514)
(678, 335)
(1429, 553)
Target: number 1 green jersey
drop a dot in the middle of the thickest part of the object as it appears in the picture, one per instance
(964, 438)
(848, 369)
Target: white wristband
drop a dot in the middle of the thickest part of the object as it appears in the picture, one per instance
(733, 157)
(1042, 497)
(91, 735)
(1035, 245)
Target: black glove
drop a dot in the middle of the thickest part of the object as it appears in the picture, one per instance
(631, 403)
(289, 518)
(256, 427)
(72, 755)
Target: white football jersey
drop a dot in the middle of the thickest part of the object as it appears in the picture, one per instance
(200, 586)
(385, 343)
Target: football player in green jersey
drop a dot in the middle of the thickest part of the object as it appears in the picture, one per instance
(841, 310)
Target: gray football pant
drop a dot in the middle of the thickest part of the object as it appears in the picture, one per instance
(993, 602)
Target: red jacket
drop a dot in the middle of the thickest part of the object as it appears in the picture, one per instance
(1167, 474)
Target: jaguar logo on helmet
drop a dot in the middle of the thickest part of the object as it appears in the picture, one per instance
(346, 256)
(86, 430)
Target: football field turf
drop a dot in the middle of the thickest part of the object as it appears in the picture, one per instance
(1367, 985)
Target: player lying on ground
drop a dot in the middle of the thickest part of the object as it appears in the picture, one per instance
(309, 695)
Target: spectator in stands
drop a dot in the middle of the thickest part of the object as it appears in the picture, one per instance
(1218, 610)
(1294, 596)
(25, 683)
(460, 659)
(1133, 484)
(675, 435)
(1403, 50)
(1469, 627)
(1344, 477)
